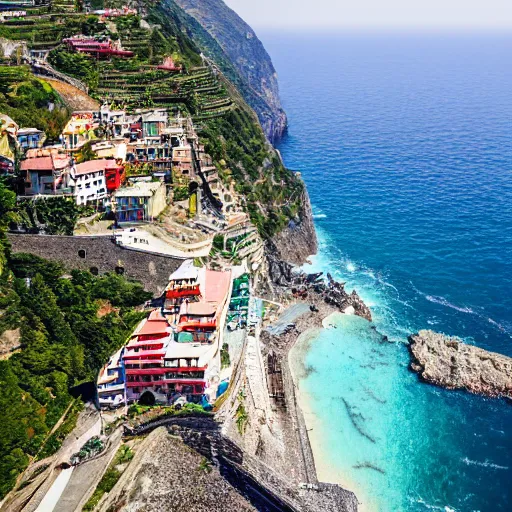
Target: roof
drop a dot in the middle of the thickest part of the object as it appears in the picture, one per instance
(155, 324)
(95, 165)
(200, 308)
(216, 286)
(105, 379)
(139, 189)
(191, 350)
(44, 163)
(157, 116)
(26, 131)
(185, 271)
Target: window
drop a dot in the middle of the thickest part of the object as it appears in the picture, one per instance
(82, 253)
(94, 271)
(119, 271)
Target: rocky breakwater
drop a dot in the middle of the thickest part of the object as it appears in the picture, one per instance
(314, 288)
(448, 362)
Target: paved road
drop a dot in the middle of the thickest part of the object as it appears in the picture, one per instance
(55, 492)
(85, 478)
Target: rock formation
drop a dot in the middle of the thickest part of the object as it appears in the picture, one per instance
(252, 62)
(298, 241)
(448, 362)
(311, 286)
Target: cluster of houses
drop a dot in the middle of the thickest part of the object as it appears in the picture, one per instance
(174, 354)
(111, 159)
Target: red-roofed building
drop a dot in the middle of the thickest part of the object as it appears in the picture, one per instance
(182, 358)
(48, 174)
(89, 182)
(106, 48)
(143, 356)
(114, 175)
(169, 65)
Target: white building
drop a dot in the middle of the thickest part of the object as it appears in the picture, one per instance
(88, 182)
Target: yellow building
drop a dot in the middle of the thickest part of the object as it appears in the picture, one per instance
(140, 201)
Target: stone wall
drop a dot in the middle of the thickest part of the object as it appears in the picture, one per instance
(99, 254)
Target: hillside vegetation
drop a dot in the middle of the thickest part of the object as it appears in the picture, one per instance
(241, 56)
(31, 102)
(63, 342)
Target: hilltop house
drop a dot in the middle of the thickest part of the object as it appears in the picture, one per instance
(182, 160)
(30, 138)
(78, 131)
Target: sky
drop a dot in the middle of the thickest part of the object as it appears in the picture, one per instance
(379, 14)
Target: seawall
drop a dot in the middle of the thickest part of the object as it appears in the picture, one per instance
(99, 254)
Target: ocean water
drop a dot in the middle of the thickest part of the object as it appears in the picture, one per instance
(405, 144)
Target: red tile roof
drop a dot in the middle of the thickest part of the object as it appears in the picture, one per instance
(44, 163)
(95, 165)
(155, 324)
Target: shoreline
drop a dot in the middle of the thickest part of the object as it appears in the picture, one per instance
(312, 424)
(309, 325)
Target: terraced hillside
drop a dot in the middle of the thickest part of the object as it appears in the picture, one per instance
(196, 87)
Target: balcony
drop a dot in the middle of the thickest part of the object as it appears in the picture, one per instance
(145, 371)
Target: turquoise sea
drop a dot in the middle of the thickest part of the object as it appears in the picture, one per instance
(405, 144)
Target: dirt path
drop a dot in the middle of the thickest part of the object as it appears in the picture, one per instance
(73, 97)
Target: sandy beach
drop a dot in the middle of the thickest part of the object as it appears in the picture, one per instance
(326, 472)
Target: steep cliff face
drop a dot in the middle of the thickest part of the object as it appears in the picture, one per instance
(257, 79)
(298, 240)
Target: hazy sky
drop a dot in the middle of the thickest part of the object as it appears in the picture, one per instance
(375, 13)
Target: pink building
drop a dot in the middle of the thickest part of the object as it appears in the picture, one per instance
(168, 360)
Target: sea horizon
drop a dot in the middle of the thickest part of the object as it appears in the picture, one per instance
(407, 158)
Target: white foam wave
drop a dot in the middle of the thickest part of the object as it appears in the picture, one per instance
(350, 266)
(389, 285)
(500, 327)
(485, 464)
(319, 216)
(444, 302)
(428, 506)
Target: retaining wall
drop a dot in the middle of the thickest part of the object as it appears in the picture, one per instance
(101, 254)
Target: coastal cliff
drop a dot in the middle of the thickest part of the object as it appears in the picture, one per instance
(448, 362)
(295, 243)
(257, 80)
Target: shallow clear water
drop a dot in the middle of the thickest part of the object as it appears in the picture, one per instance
(405, 143)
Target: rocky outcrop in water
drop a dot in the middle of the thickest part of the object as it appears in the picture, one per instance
(310, 286)
(246, 52)
(448, 362)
